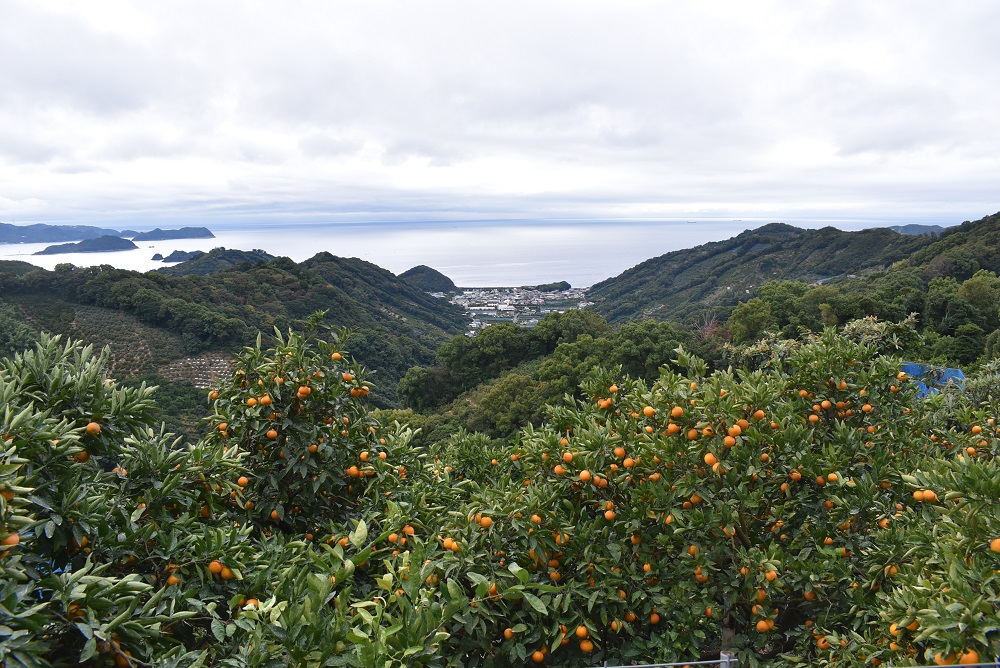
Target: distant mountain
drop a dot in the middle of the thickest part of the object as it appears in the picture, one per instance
(42, 234)
(427, 279)
(215, 260)
(97, 245)
(677, 285)
(380, 289)
(917, 229)
(960, 251)
(183, 233)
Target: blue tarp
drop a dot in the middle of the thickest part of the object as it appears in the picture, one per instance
(932, 379)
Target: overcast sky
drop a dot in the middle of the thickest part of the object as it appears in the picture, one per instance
(211, 111)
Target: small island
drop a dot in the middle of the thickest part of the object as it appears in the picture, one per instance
(101, 244)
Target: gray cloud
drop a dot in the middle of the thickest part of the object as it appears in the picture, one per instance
(516, 109)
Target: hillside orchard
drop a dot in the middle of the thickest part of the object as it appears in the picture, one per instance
(805, 509)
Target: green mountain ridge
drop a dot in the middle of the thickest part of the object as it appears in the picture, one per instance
(680, 284)
(152, 319)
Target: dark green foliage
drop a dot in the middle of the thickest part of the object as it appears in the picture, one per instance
(500, 380)
(678, 285)
(551, 287)
(15, 335)
(396, 324)
(216, 260)
(15, 268)
(427, 279)
(179, 406)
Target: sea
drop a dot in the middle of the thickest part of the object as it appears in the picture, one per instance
(476, 253)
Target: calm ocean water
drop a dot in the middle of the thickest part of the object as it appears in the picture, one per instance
(481, 253)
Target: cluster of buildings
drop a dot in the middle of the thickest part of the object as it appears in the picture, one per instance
(521, 306)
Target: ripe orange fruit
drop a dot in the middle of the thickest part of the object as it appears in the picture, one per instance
(272, 434)
(508, 633)
(771, 576)
(581, 631)
(995, 544)
(243, 481)
(586, 646)
(609, 515)
(969, 658)
(173, 580)
(649, 411)
(275, 515)
(763, 626)
(711, 459)
(585, 476)
(486, 522)
(215, 567)
(536, 519)
(676, 412)
(93, 428)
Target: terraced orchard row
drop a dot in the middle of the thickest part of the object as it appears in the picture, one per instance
(811, 511)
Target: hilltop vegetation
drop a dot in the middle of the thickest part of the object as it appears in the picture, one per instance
(217, 259)
(716, 276)
(152, 318)
(813, 512)
(427, 279)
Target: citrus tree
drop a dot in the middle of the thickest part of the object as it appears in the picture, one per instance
(805, 508)
(740, 511)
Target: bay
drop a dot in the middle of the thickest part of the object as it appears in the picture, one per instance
(471, 253)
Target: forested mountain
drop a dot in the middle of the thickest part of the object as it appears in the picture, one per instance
(215, 260)
(427, 279)
(155, 322)
(102, 244)
(678, 285)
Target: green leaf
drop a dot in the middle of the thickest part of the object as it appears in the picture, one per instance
(536, 603)
(89, 650)
(521, 573)
(359, 535)
(219, 630)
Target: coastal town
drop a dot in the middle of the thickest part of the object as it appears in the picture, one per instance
(523, 306)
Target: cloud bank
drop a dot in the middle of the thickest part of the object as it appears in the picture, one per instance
(316, 111)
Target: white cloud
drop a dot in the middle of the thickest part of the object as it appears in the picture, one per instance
(520, 109)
